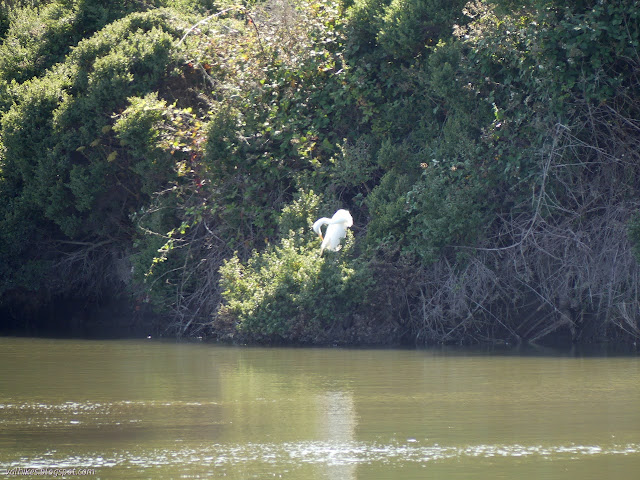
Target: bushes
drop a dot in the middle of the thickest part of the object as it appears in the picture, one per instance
(483, 167)
(62, 163)
(504, 139)
(554, 221)
(289, 292)
(258, 142)
(41, 34)
(409, 27)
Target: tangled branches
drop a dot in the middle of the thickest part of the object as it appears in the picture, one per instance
(567, 264)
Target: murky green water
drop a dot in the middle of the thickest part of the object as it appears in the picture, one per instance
(145, 409)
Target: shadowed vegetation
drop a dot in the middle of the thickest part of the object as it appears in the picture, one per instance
(173, 155)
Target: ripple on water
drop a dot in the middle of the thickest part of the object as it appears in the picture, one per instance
(96, 413)
(317, 452)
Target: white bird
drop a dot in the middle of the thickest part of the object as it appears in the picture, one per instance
(336, 230)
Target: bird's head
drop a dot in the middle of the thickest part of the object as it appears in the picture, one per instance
(317, 228)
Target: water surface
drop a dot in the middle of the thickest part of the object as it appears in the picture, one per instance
(147, 409)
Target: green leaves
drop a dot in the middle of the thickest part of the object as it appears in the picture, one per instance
(116, 127)
(290, 293)
(62, 161)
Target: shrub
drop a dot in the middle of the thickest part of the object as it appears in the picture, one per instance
(410, 27)
(63, 165)
(40, 34)
(291, 293)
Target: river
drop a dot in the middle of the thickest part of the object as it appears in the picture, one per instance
(152, 409)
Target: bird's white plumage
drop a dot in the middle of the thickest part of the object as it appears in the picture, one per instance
(336, 229)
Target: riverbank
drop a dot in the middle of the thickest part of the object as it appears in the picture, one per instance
(120, 320)
(487, 153)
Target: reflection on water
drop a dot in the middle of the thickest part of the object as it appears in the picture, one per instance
(337, 429)
(133, 409)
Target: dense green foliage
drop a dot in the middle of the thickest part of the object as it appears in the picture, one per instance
(168, 152)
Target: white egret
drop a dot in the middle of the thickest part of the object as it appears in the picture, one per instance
(336, 229)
